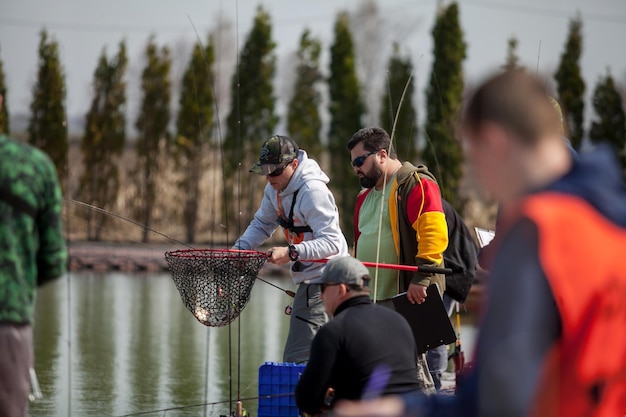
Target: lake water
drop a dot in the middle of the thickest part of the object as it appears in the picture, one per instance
(115, 344)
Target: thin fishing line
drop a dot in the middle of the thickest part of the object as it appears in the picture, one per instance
(391, 116)
(118, 216)
(68, 287)
(206, 368)
(239, 204)
(395, 122)
(382, 200)
(434, 155)
(218, 124)
(288, 292)
(432, 145)
(101, 210)
(182, 407)
(538, 55)
(237, 155)
(215, 99)
(213, 82)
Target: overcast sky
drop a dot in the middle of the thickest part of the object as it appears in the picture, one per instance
(84, 27)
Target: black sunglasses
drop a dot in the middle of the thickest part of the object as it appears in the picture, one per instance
(276, 172)
(330, 284)
(279, 171)
(360, 160)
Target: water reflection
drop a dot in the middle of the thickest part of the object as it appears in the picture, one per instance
(134, 348)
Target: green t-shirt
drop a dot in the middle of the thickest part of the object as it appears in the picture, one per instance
(385, 283)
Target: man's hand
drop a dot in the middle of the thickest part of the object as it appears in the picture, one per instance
(416, 294)
(279, 255)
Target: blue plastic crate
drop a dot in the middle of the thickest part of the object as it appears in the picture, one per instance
(277, 384)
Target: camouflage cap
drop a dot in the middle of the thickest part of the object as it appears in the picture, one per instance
(275, 153)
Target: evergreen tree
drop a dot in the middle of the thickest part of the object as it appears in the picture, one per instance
(570, 84)
(4, 110)
(152, 124)
(400, 111)
(346, 109)
(252, 117)
(444, 93)
(195, 127)
(303, 119)
(104, 139)
(512, 60)
(47, 127)
(610, 122)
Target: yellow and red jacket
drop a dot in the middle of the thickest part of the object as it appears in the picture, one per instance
(418, 224)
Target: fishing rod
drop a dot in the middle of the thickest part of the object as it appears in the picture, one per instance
(288, 292)
(458, 356)
(213, 403)
(118, 216)
(425, 268)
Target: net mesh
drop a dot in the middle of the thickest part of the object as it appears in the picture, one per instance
(215, 284)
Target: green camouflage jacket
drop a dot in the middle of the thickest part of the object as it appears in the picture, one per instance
(32, 247)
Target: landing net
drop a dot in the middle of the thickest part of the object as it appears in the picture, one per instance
(215, 284)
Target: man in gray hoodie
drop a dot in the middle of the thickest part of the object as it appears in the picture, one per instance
(297, 198)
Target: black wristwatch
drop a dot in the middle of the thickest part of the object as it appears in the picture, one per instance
(293, 253)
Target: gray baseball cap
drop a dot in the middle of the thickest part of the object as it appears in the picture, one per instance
(345, 270)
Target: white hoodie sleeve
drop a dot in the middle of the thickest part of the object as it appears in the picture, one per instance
(263, 225)
(318, 209)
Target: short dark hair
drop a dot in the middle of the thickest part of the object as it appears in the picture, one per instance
(373, 139)
(517, 101)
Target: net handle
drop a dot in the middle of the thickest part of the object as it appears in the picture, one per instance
(233, 253)
(236, 252)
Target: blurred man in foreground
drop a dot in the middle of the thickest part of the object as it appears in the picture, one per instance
(32, 253)
(552, 341)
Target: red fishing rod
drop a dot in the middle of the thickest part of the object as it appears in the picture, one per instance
(397, 267)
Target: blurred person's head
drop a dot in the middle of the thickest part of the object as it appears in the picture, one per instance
(512, 135)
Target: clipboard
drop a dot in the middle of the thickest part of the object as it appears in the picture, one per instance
(429, 321)
(484, 236)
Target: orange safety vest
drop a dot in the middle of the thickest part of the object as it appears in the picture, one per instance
(582, 255)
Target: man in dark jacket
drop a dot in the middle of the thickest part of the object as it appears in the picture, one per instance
(365, 351)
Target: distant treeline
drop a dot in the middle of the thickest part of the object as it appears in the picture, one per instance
(193, 178)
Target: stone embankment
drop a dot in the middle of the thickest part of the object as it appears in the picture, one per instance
(101, 256)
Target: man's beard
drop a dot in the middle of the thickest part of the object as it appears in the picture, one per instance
(370, 178)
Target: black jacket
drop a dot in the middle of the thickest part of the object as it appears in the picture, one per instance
(362, 338)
